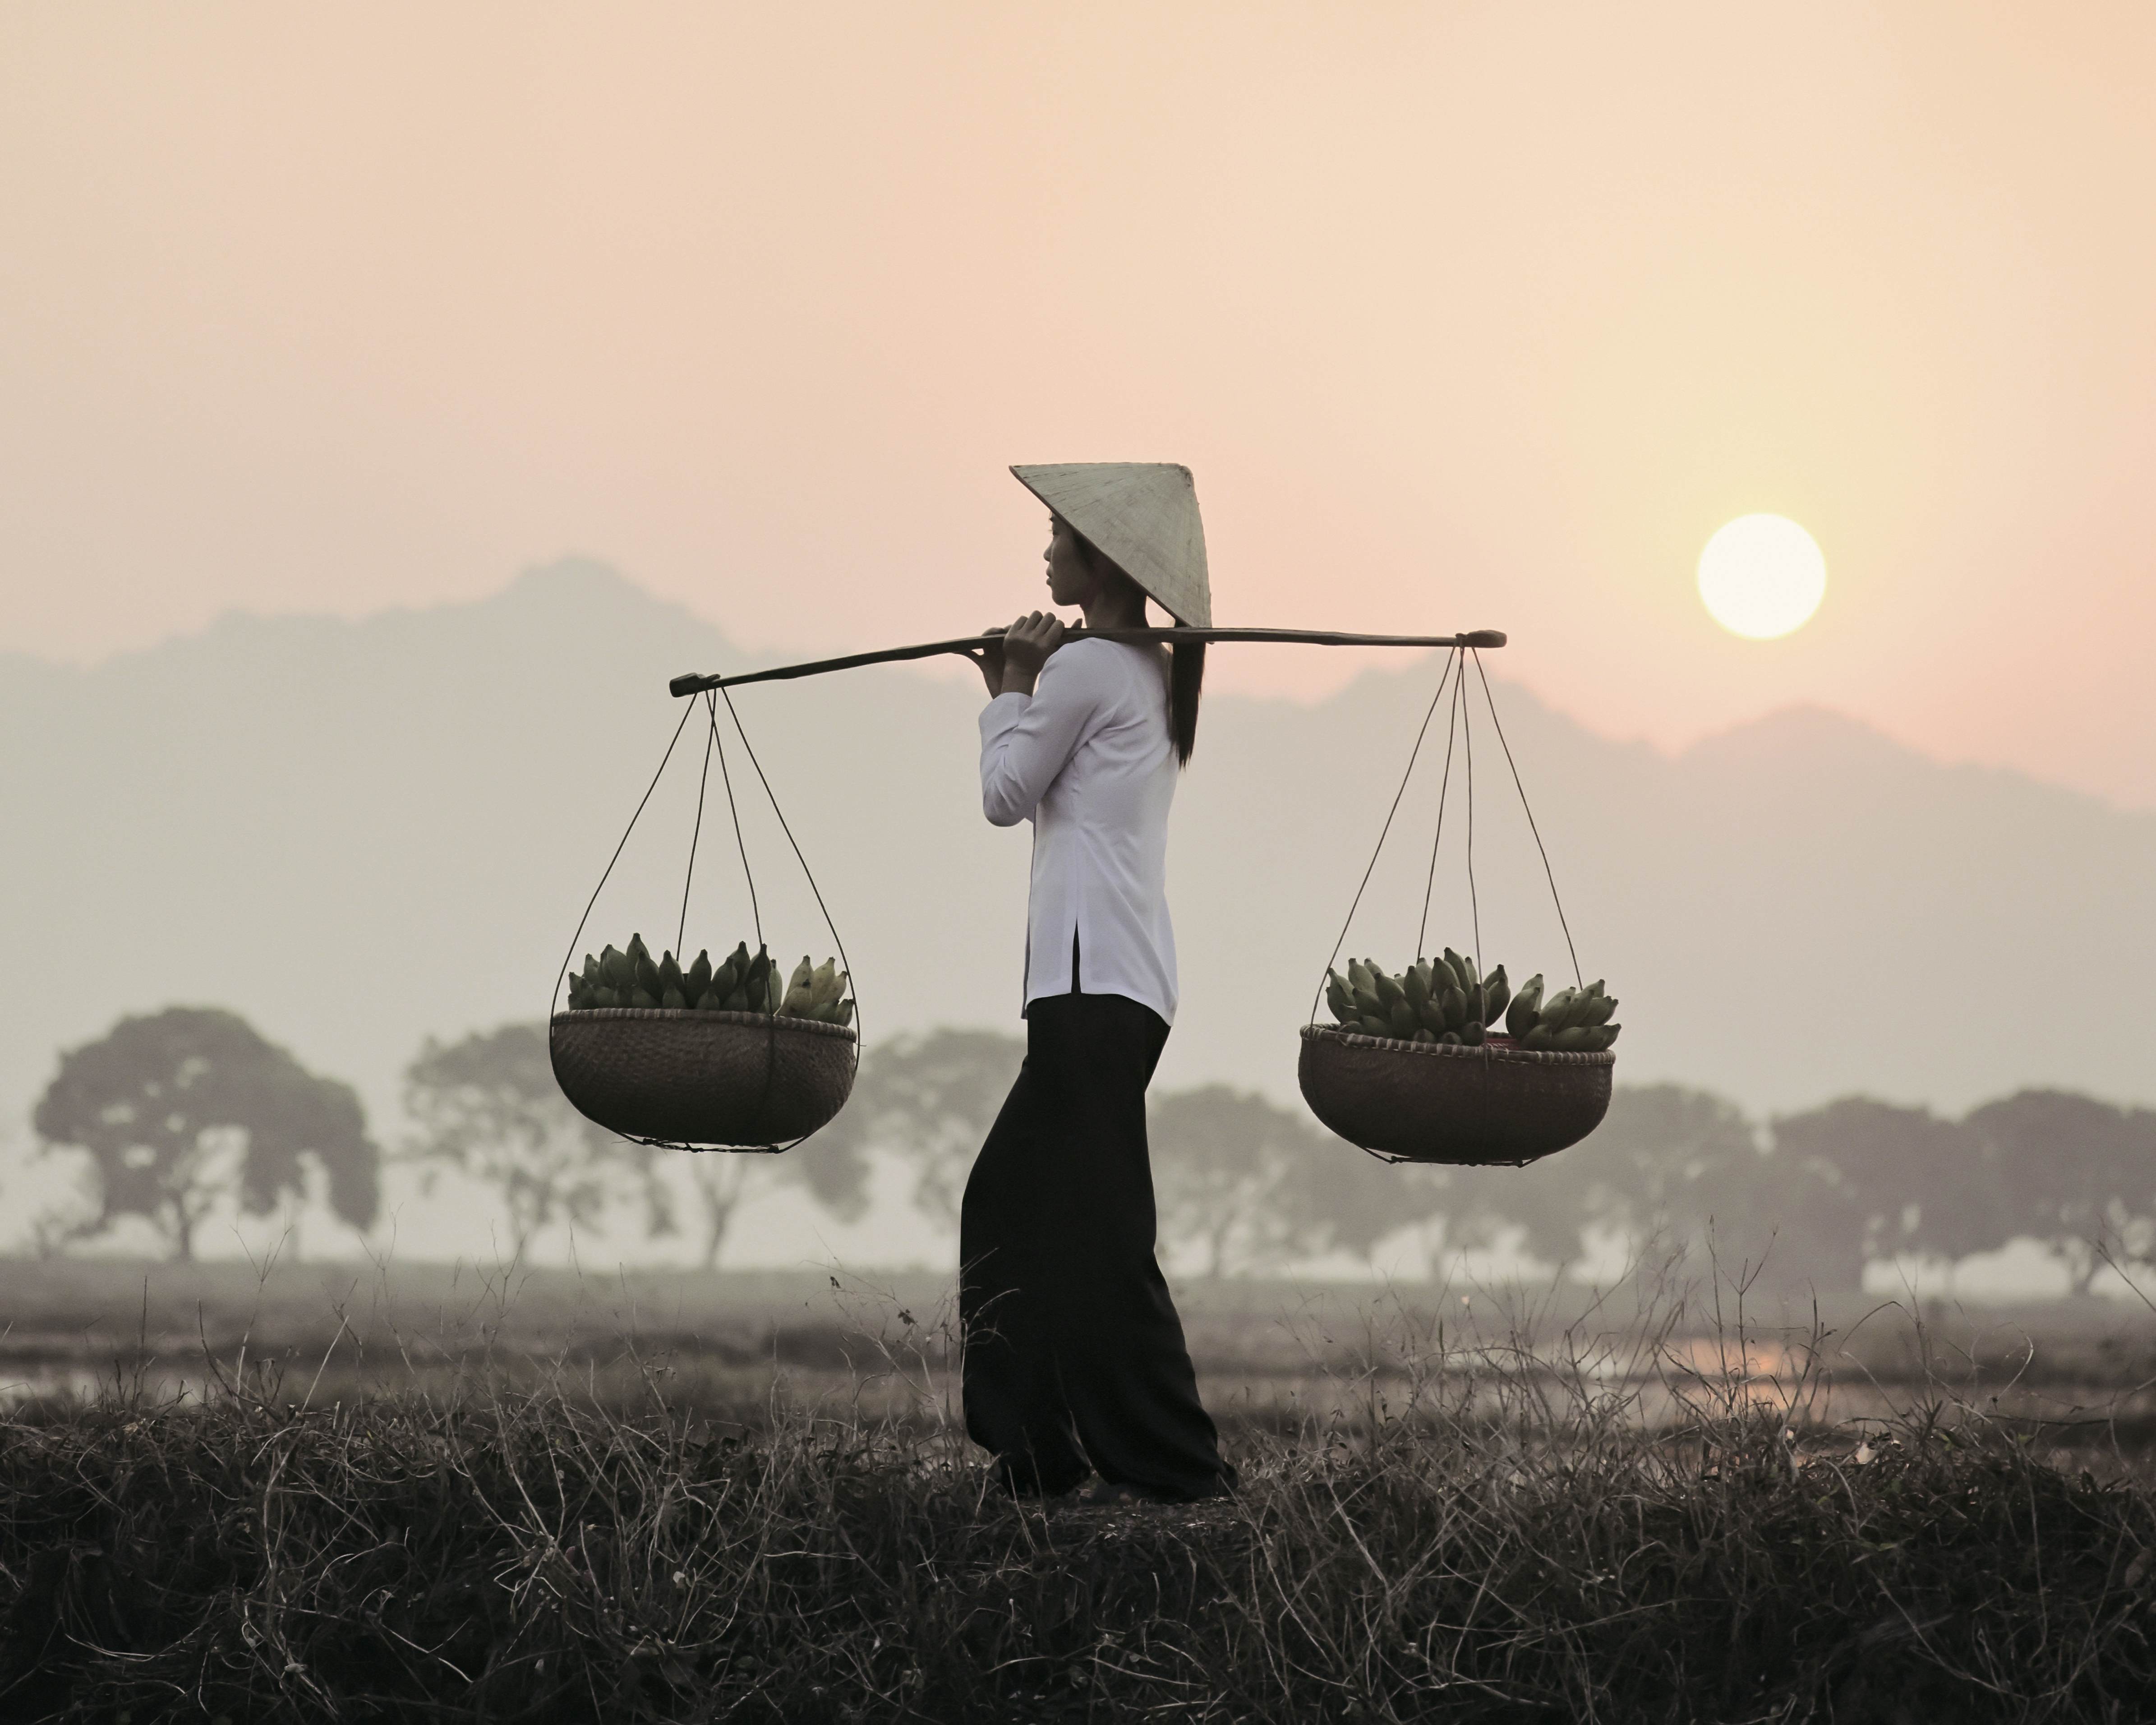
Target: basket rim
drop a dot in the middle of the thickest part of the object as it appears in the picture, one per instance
(1494, 1048)
(676, 1014)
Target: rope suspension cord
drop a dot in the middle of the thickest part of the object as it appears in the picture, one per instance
(1452, 662)
(1467, 749)
(696, 832)
(1579, 981)
(569, 957)
(810, 875)
(1443, 790)
(755, 909)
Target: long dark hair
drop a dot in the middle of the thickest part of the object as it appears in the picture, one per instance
(1186, 670)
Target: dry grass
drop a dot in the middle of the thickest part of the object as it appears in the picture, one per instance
(1511, 1523)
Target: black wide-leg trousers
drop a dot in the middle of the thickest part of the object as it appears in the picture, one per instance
(1074, 1352)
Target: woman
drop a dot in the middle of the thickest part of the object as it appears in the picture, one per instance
(1073, 1352)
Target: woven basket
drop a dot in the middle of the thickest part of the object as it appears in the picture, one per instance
(1427, 1101)
(740, 1079)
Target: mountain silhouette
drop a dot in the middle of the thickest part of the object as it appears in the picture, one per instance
(359, 834)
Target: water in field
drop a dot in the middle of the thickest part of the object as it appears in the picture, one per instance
(738, 1350)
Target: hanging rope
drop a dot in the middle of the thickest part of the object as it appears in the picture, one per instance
(1548, 874)
(696, 833)
(1467, 745)
(808, 873)
(755, 909)
(1444, 791)
(1451, 660)
(569, 957)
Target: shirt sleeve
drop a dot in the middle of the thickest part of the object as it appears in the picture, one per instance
(1026, 739)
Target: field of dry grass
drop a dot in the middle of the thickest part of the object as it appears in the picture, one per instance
(547, 1499)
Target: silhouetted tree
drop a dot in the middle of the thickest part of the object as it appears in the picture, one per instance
(1537, 1210)
(1889, 1179)
(488, 1106)
(930, 1097)
(179, 1107)
(1656, 1167)
(834, 1172)
(2078, 1174)
(1257, 1184)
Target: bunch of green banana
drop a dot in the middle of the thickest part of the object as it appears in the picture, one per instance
(1571, 1021)
(739, 983)
(1442, 999)
(817, 991)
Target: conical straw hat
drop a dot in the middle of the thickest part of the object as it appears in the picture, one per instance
(1143, 517)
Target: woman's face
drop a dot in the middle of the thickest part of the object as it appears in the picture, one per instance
(1070, 577)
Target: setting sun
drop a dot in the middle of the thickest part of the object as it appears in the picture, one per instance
(1761, 576)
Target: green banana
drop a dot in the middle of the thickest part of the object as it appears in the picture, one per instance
(1526, 1011)
(1339, 999)
(1497, 991)
(1453, 1005)
(619, 977)
(1415, 986)
(1404, 1023)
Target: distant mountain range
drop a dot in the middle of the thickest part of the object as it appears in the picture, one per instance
(361, 833)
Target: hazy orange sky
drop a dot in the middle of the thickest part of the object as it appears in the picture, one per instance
(1463, 316)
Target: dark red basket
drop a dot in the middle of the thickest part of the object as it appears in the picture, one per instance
(1495, 1105)
(732, 1080)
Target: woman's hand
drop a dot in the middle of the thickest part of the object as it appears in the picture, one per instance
(1026, 645)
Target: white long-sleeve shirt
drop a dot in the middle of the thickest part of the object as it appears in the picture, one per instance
(1088, 759)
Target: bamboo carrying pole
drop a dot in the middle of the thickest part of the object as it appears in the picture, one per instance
(693, 684)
